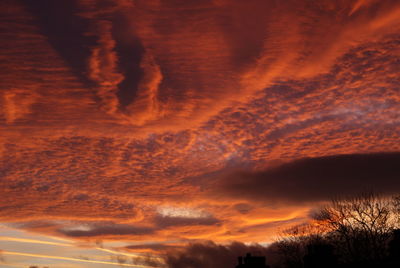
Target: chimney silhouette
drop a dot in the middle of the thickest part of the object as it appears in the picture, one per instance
(250, 261)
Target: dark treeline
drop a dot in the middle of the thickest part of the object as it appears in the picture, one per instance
(362, 231)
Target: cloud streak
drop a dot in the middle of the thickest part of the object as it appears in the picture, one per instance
(72, 259)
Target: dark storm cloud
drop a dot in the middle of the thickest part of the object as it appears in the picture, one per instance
(210, 255)
(316, 179)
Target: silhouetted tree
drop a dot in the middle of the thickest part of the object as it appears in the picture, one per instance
(362, 225)
(353, 232)
(296, 242)
(291, 253)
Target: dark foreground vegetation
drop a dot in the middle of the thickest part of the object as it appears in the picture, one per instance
(355, 232)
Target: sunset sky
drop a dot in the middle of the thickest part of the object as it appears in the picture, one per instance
(129, 128)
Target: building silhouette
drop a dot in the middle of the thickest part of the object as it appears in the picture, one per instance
(251, 262)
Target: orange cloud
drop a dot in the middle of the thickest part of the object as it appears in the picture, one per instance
(102, 68)
(113, 110)
(17, 104)
(146, 106)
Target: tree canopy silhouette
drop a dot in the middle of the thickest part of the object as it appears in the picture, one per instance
(347, 232)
